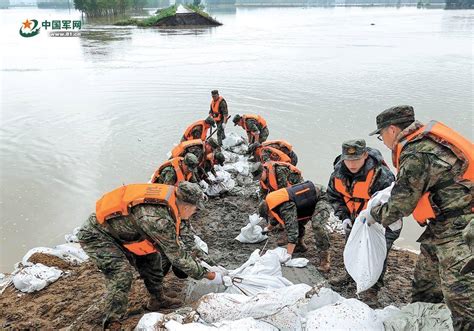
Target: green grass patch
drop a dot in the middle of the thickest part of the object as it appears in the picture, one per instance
(130, 21)
(198, 9)
(163, 13)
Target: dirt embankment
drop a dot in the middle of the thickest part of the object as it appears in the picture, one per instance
(76, 300)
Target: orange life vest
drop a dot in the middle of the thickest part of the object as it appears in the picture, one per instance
(257, 118)
(275, 154)
(119, 202)
(446, 136)
(357, 200)
(204, 128)
(176, 163)
(181, 149)
(280, 143)
(216, 115)
(303, 195)
(268, 179)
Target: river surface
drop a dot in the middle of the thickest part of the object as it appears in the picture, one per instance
(83, 115)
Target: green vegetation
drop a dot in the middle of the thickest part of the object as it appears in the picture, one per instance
(97, 8)
(163, 13)
(459, 4)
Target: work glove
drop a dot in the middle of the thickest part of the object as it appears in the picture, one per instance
(266, 230)
(285, 258)
(365, 216)
(347, 225)
(223, 125)
(217, 279)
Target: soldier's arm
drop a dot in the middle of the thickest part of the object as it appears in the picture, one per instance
(412, 179)
(336, 200)
(253, 129)
(281, 174)
(223, 110)
(383, 178)
(168, 176)
(289, 215)
(160, 227)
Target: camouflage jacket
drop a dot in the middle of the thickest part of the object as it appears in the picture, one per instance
(383, 177)
(288, 213)
(222, 109)
(253, 126)
(424, 162)
(158, 225)
(168, 176)
(283, 176)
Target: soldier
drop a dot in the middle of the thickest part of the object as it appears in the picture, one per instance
(254, 125)
(273, 150)
(292, 208)
(276, 175)
(176, 170)
(139, 225)
(211, 160)
(195, 146)
(219, 113)
(198, 130)
(435, 184)
(359, 172)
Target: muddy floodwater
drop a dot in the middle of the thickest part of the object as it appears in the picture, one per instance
(82, 115)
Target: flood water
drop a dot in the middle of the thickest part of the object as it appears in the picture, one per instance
(83, 115)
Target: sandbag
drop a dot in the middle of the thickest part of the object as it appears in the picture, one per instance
(35, 277)
(252, 232)
(421, 316)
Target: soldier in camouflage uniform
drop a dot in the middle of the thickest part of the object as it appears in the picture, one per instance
(219, 112)
(295, 222)
(195, 130)
(364, 167)
(283, 174)
(256, 132)
(425, 164)
(104, 244)
(189, 168)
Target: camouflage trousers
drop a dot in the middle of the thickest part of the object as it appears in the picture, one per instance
(437, 277)
(264, 135)
(116, 264)
(220, 133)
(320, 234)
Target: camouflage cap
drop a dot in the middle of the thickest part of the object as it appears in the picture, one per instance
(191, 160)
(190, 193)
(209, 120)
(353, 149)
(220, 158)
(214, 92)
(394, 115)
(213, 143)
(263, 209)
(236, 119)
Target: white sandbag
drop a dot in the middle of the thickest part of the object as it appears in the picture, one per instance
(299, 262)
(201, 244)
(268, 264)
(381, 197)
(175, 326)
(252, 232)
(60, 252)
(36, 277)
(241, 167)
(364, 254)
(73, 250)
(230, 157)
(149, 322)
(248, 323)
(216, 307)
(72, 237)
(350, 314)
(386, 313)
(232, 139)
(254, 284)
(324, 297)
(223, 183)
(420, 316)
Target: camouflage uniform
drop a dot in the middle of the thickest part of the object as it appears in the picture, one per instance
(168, 174)
(266, 154)
(115, 262)
(254, 127)
(383, 177)
(424, 163)
(296, 229)
(283, 176)
(224, 113)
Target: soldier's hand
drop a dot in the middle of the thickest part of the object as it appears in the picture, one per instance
(214, 278)
(347, 225)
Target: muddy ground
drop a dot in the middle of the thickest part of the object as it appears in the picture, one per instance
(75, 301)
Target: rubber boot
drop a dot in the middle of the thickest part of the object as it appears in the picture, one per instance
(325, 261)
(300, 246)
(161, 301)
(282, 239)
(342, 280)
